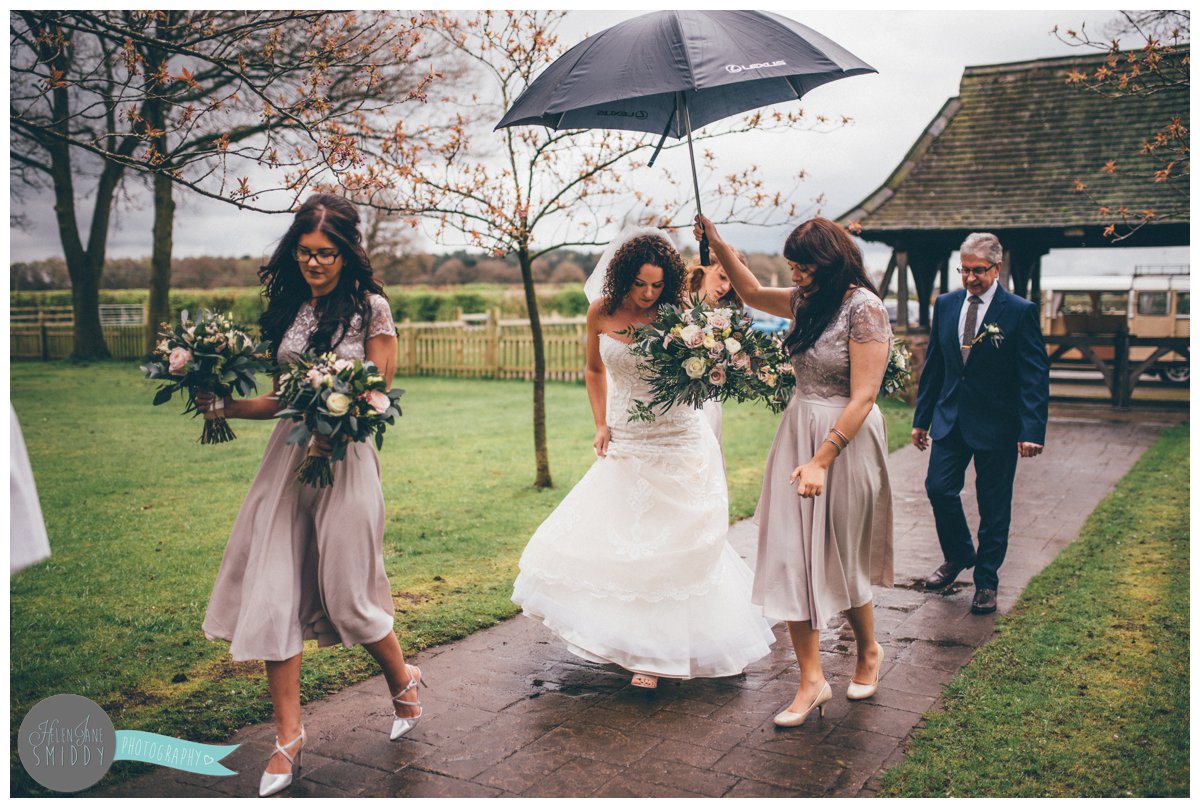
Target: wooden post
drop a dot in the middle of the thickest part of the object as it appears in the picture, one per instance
(901, 291)
(1120, 377)
(886, 283)
(492, 349)
(1035, 285)
(1006, 270)
(411, 331)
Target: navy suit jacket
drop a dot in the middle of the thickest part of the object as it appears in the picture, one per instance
(1001, 396)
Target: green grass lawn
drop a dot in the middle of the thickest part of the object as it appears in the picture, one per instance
(138, 515)
(1085, 691)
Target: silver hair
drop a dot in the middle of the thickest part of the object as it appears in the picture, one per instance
(983, 245)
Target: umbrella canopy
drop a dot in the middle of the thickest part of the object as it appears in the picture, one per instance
(639, 74)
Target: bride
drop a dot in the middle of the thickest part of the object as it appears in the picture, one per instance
(633, 568)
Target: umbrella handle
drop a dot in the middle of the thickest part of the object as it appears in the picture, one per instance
(681, 105)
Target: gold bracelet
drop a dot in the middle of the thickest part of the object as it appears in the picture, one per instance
(845, 440)
(834, 444)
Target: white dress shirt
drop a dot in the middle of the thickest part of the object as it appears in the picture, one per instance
(986, 299)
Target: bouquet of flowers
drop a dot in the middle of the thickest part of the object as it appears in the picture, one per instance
(898, 373)
(343, 399)
(692, 353)
(211, 355)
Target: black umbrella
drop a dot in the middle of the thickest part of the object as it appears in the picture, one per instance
(670, 71)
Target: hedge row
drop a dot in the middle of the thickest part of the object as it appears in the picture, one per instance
(419, 304)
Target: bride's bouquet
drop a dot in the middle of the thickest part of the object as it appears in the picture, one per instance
(693, 353)
(209, 354)
(898, 374)
(346, 400)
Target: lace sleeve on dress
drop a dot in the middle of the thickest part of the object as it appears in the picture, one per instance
(869, 319)
(381, 317)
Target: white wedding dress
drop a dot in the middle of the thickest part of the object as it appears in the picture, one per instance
(633, 566)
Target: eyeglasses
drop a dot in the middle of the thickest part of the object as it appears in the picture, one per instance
(807, 269)
(325, 258)
(977, 270)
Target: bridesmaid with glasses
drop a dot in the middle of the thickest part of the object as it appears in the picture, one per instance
(306, 563)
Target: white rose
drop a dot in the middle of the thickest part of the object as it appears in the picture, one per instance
(692, 336)
(732, 345)
(337, 404)
(694, 366)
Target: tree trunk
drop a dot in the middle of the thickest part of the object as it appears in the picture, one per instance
(85, 302)
(158, 310)
(541, 453)
(84, 264)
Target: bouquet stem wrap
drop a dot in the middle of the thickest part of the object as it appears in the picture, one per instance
(207, 355)
(315, 469)
(216, 428)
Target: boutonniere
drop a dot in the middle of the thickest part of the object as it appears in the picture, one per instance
(991, 331)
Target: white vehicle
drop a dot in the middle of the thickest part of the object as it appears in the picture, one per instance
(1154, 302)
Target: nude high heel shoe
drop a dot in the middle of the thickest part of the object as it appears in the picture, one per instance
(856, 692)
(274, 783)
(790, 719)
(400, 726)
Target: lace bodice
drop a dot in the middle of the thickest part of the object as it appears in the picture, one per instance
(823, 371)
(625, 385)
(354, 346)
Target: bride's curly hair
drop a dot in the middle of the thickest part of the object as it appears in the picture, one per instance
(630, 258)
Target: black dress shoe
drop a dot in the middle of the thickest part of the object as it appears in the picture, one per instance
(984, 601)
(944, 575)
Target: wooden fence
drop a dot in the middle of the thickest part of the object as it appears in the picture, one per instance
(487, 349)
(493, 349)
(49, 332)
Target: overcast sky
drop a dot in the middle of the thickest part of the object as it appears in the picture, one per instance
(920, 57)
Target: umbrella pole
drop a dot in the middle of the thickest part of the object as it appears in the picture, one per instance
(687, 125)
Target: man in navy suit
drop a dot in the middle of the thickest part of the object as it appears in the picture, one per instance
(983, 395)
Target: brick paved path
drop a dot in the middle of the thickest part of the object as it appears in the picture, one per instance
(510, 712)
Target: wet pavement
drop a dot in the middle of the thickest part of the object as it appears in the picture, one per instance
(510, 712)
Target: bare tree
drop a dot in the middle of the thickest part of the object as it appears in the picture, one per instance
(252, 108)
(1161, 62)
(526, 191)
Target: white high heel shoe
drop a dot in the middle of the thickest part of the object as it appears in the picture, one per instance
(857, 692)
(274, 783)
(790, 719)
(400, 726)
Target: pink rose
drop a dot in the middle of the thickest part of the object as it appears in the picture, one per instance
(718, 321)
(314, 377)
(741, 361)
(178, 360)
(717, 375)
(377, 400)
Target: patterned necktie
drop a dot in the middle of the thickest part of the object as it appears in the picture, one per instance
(968, 335)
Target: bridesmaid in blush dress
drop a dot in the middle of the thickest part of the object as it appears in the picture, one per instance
(306, 563)
(825, 515)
